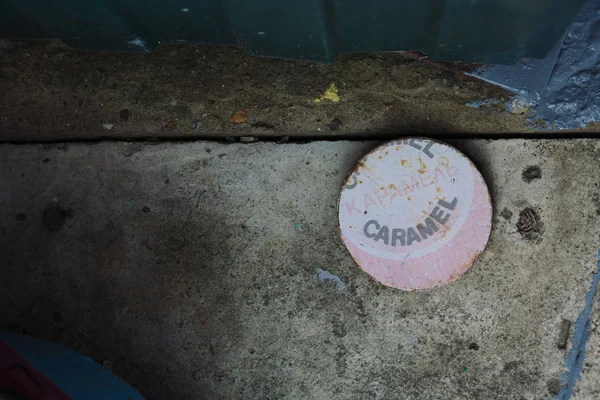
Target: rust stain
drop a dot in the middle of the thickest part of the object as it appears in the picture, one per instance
(412, 187)
(423, 168)
(239, 117)
(469, 263)
(404, 163)
(444, 231)
(440, 194)
(364, 166)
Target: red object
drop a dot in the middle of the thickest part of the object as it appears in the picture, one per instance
(18, 375)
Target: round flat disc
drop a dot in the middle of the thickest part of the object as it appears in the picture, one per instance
(415, 214)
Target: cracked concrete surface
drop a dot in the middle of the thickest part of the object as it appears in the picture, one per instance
(191, 266)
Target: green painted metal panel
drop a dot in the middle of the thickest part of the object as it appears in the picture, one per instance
(490, 31)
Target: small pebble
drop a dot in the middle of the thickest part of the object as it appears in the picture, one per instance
(195, 124)
(108, 126)
(248, 139)
(565, 333)
(518, 106)
(335, 124)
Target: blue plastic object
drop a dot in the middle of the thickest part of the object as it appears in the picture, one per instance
(77, 376)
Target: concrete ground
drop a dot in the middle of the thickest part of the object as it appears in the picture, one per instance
(191, 269)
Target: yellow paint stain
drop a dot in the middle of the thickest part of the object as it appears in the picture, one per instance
(330, 94)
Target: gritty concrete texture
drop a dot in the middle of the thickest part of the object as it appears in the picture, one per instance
(49, 91)
(205, 270)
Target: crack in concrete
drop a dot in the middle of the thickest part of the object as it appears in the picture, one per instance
(287, 139)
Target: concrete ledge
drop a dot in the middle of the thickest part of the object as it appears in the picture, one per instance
(52, 92)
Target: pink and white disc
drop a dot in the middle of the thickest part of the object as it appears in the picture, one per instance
(415, 214)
